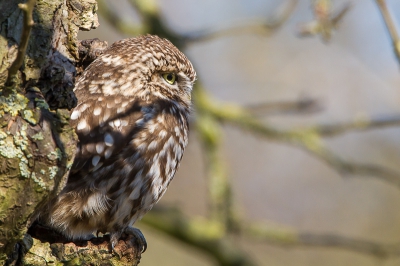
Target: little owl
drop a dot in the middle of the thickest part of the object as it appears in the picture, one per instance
(132, 124)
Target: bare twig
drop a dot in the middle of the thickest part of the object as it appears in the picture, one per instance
(152, 24)
(304, 105)
(308, 139)
(358, 124)
(391, 26)
(208, 236)
(324, 20)
(27, 8)
(337, 18)
(219, 187)
(288, 237)
(115, 20)
(200, 233)
(260, 27)
(357, 245)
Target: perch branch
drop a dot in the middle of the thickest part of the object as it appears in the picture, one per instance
(27, 8)
(391, 26)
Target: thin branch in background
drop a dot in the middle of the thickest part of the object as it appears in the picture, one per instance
(115, 20)
(200, 233)
(282, 14)
(260, 27)
(152, 24)
(219, 186)
(288, 237)
(324, 20)
(332, 130)
(338, 17)
(308, 139)
(304, 105)
(148, 7)
(391, 26)
(209, 237)
(11, 81)
(357, 245)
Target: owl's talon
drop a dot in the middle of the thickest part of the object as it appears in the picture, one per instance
(139, 237)
(113, 243)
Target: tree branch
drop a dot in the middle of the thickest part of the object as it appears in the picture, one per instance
(324, 20)
(304, 105)
(261, 27)
(26, 31)
(219, 186)
(205, 235)
(308, 139)
(331, 130)
(115, 20)
(291, 238)
(152, 23)
(391, 26)
(209, 237)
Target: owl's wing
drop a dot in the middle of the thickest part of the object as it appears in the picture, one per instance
(104, 125)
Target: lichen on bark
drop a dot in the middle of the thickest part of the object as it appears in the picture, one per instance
(37, 145)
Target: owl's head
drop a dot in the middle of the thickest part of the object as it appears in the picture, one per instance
(146, 66)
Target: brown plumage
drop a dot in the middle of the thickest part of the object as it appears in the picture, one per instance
(132, 124)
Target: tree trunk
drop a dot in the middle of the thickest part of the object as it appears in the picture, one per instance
(37, 144)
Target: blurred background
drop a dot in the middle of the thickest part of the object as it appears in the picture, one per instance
(294, 152)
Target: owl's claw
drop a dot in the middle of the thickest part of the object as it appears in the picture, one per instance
(114, 237)
(115, 251)
(136, 233)
(139, 237)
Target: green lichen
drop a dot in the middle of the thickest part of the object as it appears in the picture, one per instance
(55, 155)
(53, 171)
(43, 172)
(24, 168)
(21, 139)
(8, 150)
(41, 103)
(3, 135)
(40, 254)
(12, 104)
(38, 136)
(69, 164)
(18, 148)
(38, 180)
(28, 116)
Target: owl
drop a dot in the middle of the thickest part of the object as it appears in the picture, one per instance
(132, 125)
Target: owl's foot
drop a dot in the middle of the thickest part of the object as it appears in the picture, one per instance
(130, 231)
(139, 237)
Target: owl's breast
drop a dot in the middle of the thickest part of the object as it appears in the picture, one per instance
(147, 164)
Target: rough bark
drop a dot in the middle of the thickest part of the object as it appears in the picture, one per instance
(37, 145)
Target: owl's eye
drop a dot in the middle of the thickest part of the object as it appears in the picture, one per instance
(169, 77)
